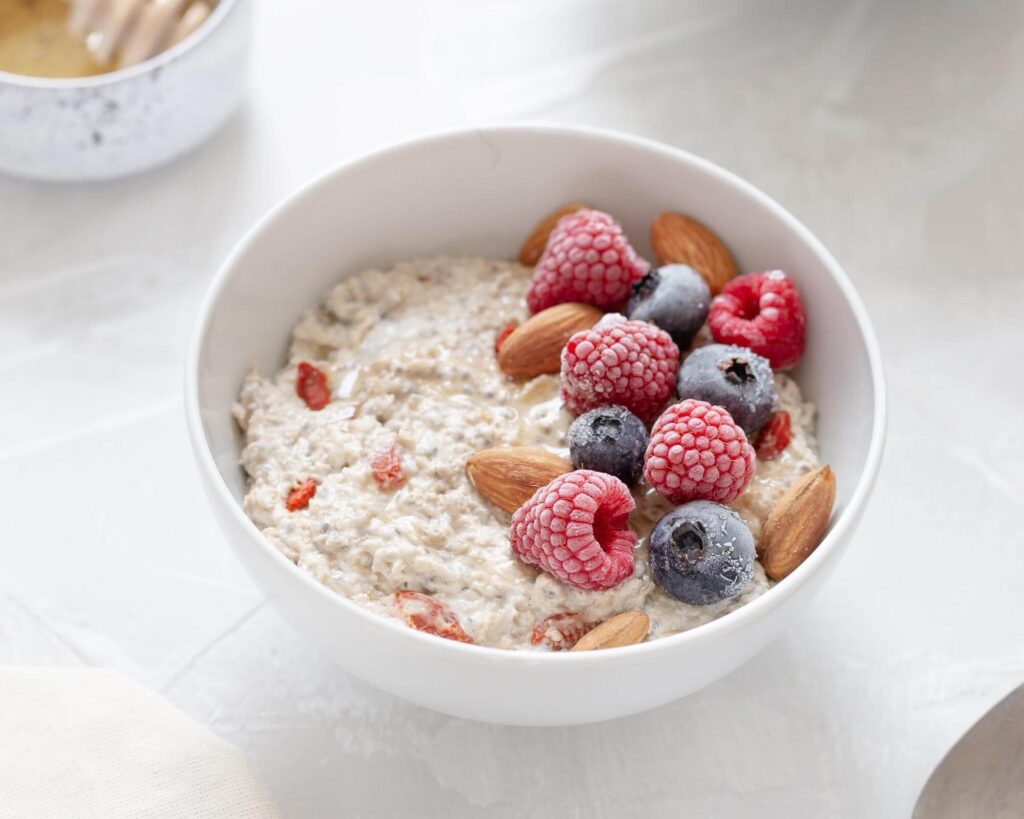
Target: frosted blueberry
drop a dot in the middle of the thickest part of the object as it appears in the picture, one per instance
(732, 377)
(610, 440)
(702, 553)
(674, 297)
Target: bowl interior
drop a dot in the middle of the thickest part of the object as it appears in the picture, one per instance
(220, 12)
(480, 192)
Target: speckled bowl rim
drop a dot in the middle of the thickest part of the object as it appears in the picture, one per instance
(216, 18)
(719, 628)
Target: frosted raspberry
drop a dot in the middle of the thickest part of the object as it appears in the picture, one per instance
(697, 452)
(762, 311)
(629, 363)
(587, 259)
(774, 437)
(575, 528)
(560, 631)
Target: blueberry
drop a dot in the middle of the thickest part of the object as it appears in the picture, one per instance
(610, 440)
(674, 297)
(732, 377)
(702, 553)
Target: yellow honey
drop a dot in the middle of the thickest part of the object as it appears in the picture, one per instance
(34, 40)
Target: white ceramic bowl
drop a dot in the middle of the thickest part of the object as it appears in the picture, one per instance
(126, 121)
(480, 192)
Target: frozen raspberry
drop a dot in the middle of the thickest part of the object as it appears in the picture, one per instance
(629, 363)
(697, 452)
(587, 259)
(560, 631)
(386, 466)
(424, 613)
(576, 529)
(761, 311)
(774, 436)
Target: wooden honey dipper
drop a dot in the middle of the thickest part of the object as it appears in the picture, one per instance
(134, 29)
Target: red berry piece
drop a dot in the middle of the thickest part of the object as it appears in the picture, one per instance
(300, 495)
(697, 452)
(629, 363)
(311, 385)
(575, 528)
(560, 631)
(427, 614)
(587, 259)
(774, 437)
(386, 465)
(502, 337)
(762, 311)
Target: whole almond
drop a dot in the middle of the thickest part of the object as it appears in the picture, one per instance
(535, 347)
(508, 476)
(621, 630)
(679, 239)
(796, 524)
(535, 243)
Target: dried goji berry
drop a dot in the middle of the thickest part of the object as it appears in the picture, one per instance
(311, 385)
(423, 613)
(387, 468)
(774, 437)
(560, 631)
(506, 331)
(299, 496)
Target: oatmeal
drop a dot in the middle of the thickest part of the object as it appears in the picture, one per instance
(409, 354)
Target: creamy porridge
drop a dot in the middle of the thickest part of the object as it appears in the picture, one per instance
(409, 353)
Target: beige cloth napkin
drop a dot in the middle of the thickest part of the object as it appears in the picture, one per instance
(92, 743)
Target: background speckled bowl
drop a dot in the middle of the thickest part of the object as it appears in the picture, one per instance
(127, 121)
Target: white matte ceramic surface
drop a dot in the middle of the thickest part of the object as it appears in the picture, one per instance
(480, 192)
(127, 121)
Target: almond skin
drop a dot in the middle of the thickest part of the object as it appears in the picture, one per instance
(535, 243)
(796, 524)
(679, 239)
(508, 476)
(621, 630)
(535, 347)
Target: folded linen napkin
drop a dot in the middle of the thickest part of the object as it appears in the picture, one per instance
(93, 743)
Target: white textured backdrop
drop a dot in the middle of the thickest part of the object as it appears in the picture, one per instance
(894, 130)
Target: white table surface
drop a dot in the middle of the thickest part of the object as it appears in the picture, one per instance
(893, 130)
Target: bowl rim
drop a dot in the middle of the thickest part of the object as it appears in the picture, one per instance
(220, 13)
(721, 626)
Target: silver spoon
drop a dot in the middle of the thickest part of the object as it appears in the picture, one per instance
(983, 774)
